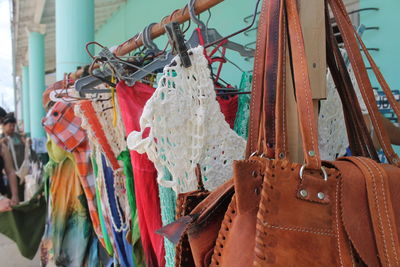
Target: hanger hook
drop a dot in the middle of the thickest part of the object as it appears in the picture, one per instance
(193, 16)
(142, 35)
(147, 37)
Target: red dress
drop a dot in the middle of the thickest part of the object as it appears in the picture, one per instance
(132, 101)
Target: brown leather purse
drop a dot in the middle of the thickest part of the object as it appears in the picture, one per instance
(343, 213)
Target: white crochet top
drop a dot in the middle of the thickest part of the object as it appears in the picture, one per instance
(187, 128)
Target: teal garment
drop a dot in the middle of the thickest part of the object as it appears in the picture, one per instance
(243, 113)
(25, 224)
(168, 214)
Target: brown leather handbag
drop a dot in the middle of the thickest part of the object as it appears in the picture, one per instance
(185, 203)
(341, 213)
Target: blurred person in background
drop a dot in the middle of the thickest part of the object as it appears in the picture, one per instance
(6, 165)
(15, 140)
(15, 143)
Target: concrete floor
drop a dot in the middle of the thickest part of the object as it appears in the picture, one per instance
(10, 256)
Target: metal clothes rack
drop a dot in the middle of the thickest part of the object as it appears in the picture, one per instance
(180, 15)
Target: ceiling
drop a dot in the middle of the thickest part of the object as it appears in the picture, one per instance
(35, 12)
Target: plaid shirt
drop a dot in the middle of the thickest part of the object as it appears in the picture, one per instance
(65, 129)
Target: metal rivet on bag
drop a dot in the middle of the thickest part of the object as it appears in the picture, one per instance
(311, 153)
(303, 193)
(281, 155)
(254, 174)
(321, 195)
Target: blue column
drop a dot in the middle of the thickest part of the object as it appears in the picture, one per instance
(25, 100)
(74, 28)
(36, 83)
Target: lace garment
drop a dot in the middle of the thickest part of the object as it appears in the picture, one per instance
(333, 140)
(187, 128)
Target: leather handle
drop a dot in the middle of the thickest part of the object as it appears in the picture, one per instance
(351, 45)
(281, 148)
(308, 128)
(262, 107)
(257, 84)
(359, 138)
(385, 87)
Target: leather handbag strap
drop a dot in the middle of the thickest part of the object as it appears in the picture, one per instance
(257, 84)
(362, 77)
(360, 140)
(262, 106)
(392, 100)
(381, 210)
(308, 128)
(281, 149)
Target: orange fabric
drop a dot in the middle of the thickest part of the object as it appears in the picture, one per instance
(64, 128)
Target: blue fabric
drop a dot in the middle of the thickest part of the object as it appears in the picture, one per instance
(124, 249)
(93, 257)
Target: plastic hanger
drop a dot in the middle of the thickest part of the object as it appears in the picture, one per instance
(211, 35)
(238, 32)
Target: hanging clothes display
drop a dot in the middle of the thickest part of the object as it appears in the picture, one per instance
(130, 191)
(64, 128)
(193, 132)
(131, 101)
(116, 191)
(68, 227)
(142, 145)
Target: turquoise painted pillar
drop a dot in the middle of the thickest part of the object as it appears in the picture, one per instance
(74, 28)
(36, 83)
(26, 100)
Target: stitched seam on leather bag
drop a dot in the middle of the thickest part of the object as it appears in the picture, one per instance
(253, 97)
(351, 241)
(351, 253)
(378, 209)
(298, 29)
(222, 234)
(337, 223)
(261, 217)
(301, 229)
(387, 214)
(284, 91)
(362, 87)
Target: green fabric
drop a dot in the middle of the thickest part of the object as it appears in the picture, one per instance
(47, 173)
(130, 191)
(107, 241)
(25, 224)
(243, 113)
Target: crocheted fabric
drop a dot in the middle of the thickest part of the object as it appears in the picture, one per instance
(187, 128)
(333, 140)
(243, 113)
